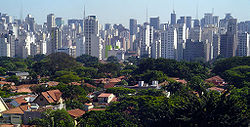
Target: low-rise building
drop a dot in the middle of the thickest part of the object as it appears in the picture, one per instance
(106, 98)
(49, 97)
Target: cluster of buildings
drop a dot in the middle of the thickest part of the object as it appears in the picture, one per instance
(181, 39)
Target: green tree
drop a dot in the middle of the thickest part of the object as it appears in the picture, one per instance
(58, 118)
(112, 59)
(88, 61)
(13, 78)
(2, 71)
(238, 76)
(71, 91)
(66, 76)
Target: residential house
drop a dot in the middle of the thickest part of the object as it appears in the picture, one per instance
(216, 80)
(21, 75)
(106, 98)
(76, 113)
(21, 99)
(49, 97)
(88, 106)
(13, 116)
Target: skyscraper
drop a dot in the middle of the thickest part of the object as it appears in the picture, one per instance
(229, 40)
(216, 45)
(51, 22)
(147, 40)
(243, 48)
(133, 26)
(181, 40)
(55, 42)
(4, 47)
(173, 18)
(31, 23)
(182, 20)
(196, 50)
(93, 41)
(189, 22)
(196, 23)
(155, 23)
(59, 21)
(169, 43)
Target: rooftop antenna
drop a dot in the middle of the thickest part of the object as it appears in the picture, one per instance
(197, 10)
(173, 6)
(84, 13)
(147, 15)
(212, 10)
(21, 11)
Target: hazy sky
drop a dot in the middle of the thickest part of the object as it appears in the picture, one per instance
(120, 11)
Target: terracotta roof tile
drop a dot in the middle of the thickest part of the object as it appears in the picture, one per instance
(104, 95)
(97, 109)
(215, 78)
(217, 89)
(16, 110)
(52, 95)
(89, 85)
(7, 125)
(3, 83)
(24, 90)
(76, 113)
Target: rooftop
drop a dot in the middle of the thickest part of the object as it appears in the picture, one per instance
(104, 95)
(76, 113)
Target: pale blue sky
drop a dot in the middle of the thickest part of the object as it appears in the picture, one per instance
(120, 11)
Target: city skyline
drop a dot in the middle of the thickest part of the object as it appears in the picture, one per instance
(110, 11)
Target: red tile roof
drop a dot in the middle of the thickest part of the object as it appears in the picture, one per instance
(109, 85)
(215, 78)
(3, 83)
(217, 89)
(16, 110)
(75, 83)
(76, 113)
(97, 109)
(7, 125)
(104, 95)
(89, 85)
(52, 96)
(180, 80)
(24, 90)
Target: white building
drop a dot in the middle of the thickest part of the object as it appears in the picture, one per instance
(243, 48)
(147, 39)
(80, 46)
(181, 40)
(4, 47)
(93, 41)
(23, 48)
(169, 43)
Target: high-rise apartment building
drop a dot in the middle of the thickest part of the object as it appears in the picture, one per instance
(55, 42)
(4, 47)
(169, 43)
(189, 22)
(133, 26)
(173, 18)
(243, 48)
(229, 40)
(155, 23)
(93, 41)
(196, 50)
(59, 22)
(147, 40)
(51, 22)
